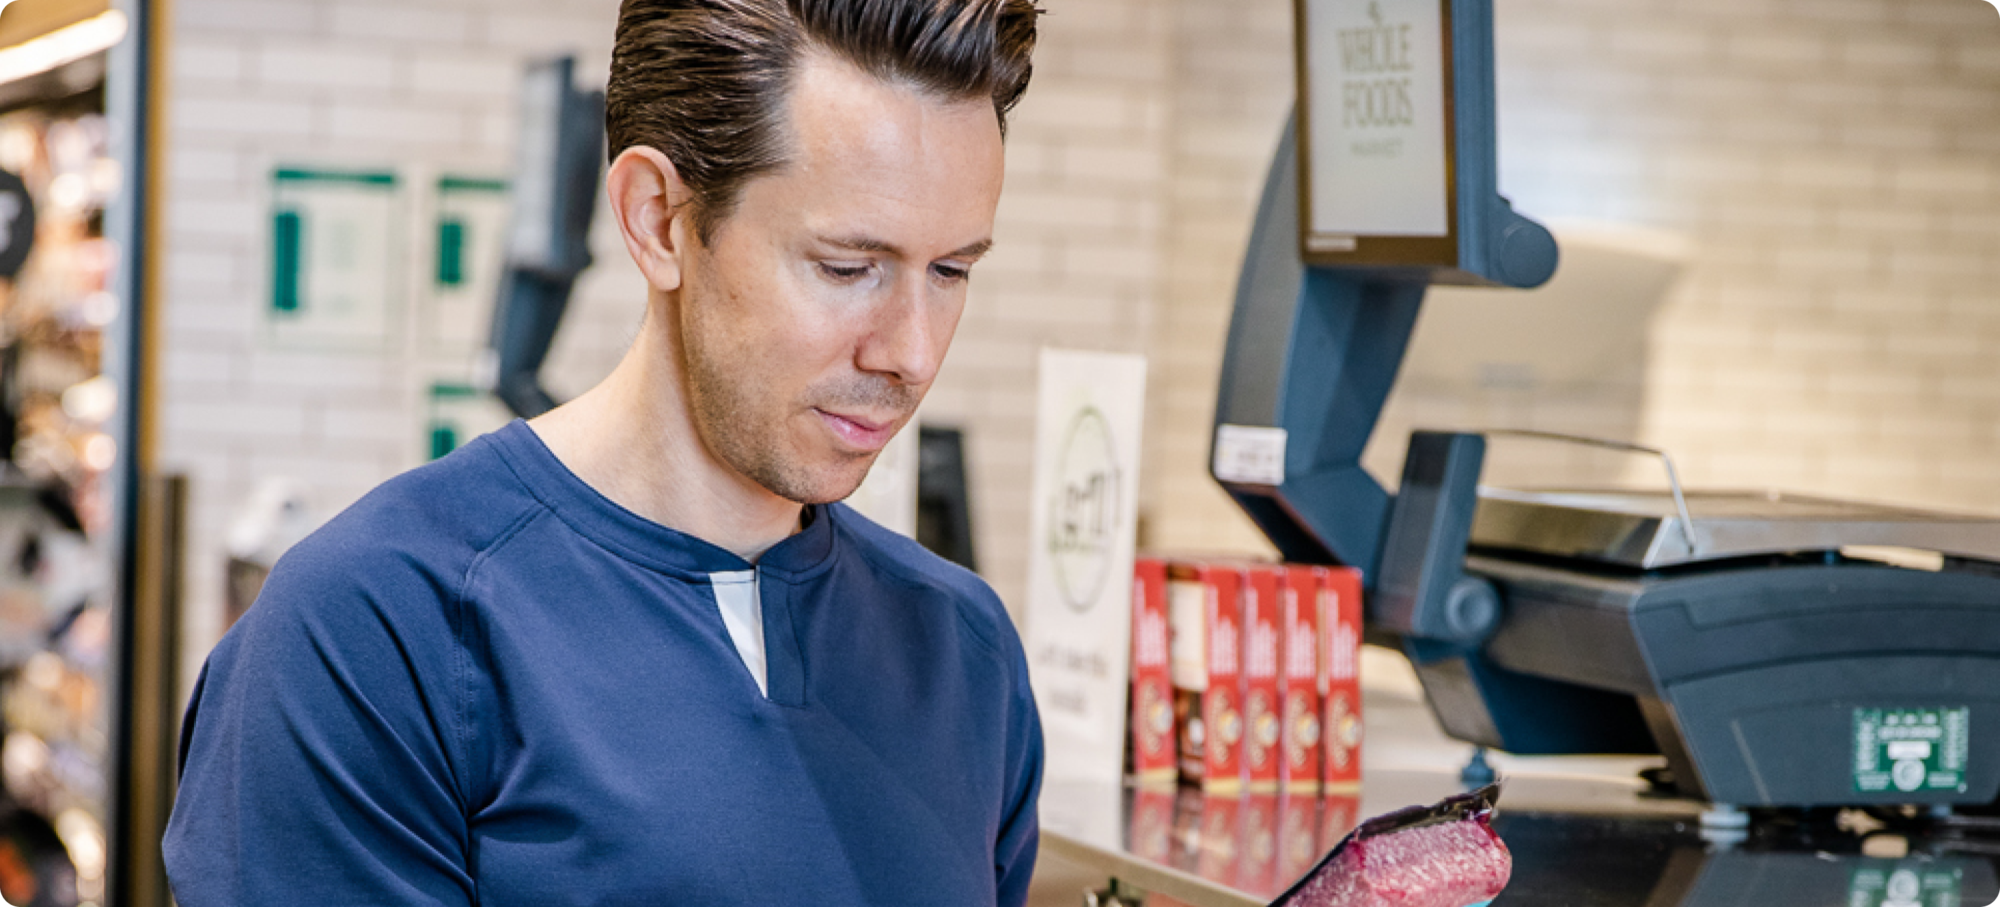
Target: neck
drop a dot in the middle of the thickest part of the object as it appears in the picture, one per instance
(633, 440)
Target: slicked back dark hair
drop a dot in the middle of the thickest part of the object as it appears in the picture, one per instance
(705, 81)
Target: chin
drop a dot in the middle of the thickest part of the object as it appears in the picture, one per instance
(821, 499)
(824, 485)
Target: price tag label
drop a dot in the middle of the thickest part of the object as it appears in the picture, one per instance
(1252, 455)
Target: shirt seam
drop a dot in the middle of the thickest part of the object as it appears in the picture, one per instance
(611, 547)
(792, 628)
(461, 600)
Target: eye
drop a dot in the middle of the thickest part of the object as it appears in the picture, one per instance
(951, 273)
(843, 272)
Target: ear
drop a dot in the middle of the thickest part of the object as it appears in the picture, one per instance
(649, 202)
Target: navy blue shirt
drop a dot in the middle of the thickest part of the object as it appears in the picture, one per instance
(487, 684)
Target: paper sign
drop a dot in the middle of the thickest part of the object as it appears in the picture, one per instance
(1079, 604)
(333, 258)
(468, 233)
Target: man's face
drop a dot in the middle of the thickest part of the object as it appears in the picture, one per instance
(816, 318)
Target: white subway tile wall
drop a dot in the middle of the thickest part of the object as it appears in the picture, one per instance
(420, 88)
(1835, 163)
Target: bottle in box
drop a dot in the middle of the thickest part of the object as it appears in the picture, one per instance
(1205, 618)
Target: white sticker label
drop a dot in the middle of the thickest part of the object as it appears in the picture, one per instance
(1253, 455)
(1909, 749)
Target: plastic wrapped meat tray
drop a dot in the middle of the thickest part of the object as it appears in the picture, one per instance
(1446, 855)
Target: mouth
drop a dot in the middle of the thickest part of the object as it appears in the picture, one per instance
(859, 432)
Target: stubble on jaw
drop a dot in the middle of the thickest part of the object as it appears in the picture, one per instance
(748, 428)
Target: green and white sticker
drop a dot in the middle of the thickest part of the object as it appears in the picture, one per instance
(1911, 750)
(1903, 884)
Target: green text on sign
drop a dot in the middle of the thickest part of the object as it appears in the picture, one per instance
(1911, 750)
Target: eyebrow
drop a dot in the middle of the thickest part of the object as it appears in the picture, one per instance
(870, 244)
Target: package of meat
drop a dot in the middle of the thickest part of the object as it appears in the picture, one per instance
(1446, 855)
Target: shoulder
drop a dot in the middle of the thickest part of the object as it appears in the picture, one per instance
(450, 507)
(901, 559)
(408, 541)
(469, 497)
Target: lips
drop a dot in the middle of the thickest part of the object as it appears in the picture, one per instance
(857, 431)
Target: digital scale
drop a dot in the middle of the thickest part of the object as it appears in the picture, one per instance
(1777, 650)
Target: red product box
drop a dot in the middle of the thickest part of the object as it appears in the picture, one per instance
(1298, 682)
(1298, 837)
(1256, 868)
(1205, 615)
(1152, 743)
(1340, 681)
(1263, 717)
(1221, 838)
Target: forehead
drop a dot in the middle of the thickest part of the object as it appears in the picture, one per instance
(868, 149)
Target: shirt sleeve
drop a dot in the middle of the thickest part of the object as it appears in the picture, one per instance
(318, 752)
(1020, 830)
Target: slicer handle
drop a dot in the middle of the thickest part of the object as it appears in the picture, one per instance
(1421, 589)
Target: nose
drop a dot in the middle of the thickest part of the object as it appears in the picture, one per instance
(909, 336)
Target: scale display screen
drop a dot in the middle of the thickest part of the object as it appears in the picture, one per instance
(1376, 138)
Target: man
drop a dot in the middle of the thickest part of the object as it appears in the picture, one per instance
(631, 652)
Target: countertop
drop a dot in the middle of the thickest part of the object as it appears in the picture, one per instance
(1584, 832)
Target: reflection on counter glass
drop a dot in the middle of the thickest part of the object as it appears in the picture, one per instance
(1629, 861)
(1256, 843)
(1260, 844)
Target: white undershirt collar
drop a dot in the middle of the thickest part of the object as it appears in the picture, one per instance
(737, 594)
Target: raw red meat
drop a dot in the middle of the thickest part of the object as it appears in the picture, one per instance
(1443, 856)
